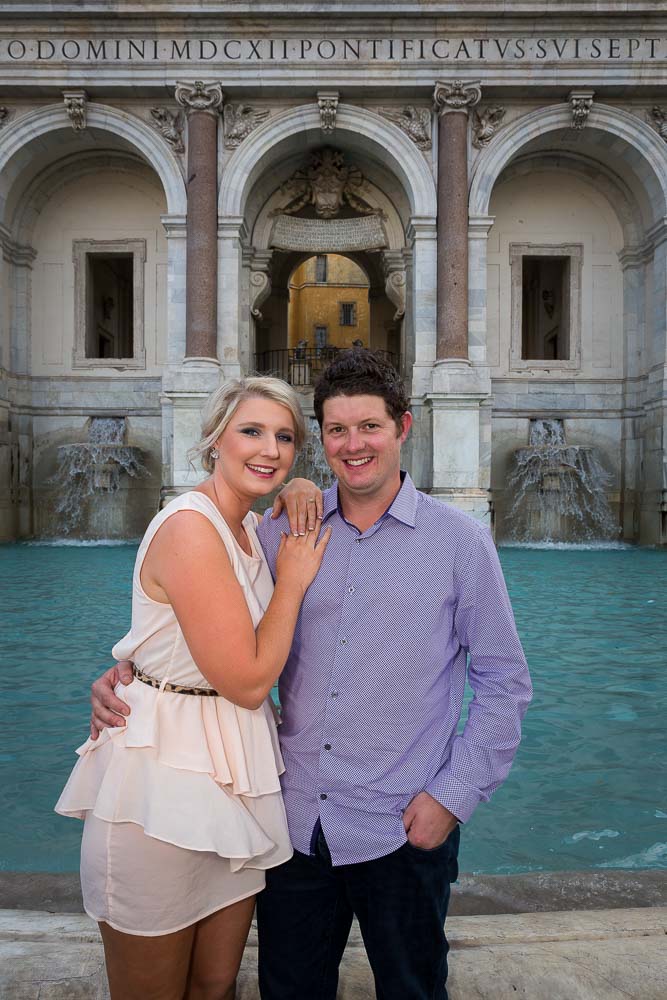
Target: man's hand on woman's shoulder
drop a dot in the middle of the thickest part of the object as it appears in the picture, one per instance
(108, 711)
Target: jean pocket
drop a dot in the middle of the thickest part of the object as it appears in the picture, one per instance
(429, 850)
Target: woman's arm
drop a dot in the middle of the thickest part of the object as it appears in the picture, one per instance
(188, 561)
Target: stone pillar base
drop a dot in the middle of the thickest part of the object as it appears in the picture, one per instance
(461, 455)
(184, 391)
(476, 503)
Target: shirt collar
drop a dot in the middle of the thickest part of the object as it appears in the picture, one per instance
(403, 507)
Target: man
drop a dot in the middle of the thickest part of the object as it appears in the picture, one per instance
(377, 778)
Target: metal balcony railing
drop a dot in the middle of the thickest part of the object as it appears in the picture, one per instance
(303, 365)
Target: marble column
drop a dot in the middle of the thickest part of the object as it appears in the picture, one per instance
(452, 101)
(202, 104)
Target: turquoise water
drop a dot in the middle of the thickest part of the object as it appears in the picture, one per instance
(589, 786)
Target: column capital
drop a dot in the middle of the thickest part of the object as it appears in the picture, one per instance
(456, 95)
(200, 96)
(479, 226)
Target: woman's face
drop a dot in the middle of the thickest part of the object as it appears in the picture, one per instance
(257, 447)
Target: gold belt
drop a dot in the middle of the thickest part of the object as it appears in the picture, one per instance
(175, 688)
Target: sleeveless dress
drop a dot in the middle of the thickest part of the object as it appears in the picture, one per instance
(182, 805)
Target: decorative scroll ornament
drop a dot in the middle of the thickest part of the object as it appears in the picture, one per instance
(75, 106)
(327, 184)
(260, 287)
(170, 126)
(581, 102)
(199, 96)
(327, 102)
(657, 117)
(484, 125)
(395, 285)
(456, 96)
(415, 122)
(240, 120)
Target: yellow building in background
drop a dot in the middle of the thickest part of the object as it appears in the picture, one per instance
(328, 304)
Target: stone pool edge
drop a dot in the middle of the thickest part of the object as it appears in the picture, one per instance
(594, 955)
(473, 895)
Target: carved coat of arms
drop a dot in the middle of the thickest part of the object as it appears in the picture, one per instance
(327, 183)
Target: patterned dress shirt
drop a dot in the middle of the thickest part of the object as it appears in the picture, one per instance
(372, 691)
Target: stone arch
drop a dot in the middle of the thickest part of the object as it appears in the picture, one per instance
(16, 140)
(370, 133)
(639, 153)
(609, 184)
(64, 172)
(393, 165)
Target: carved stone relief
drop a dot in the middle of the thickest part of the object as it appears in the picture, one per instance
(485, 123)
(75, 106)
(415, 122)
(581, 102)
(327, 102)
(4, 116)
(240, 120)
(170, 126)
(327, 183)
(657, 117)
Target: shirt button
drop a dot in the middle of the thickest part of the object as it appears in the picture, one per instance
(327, 746)
(343, 642)
(323, 795)
(334, 694)
(350, 590)
(358, 541)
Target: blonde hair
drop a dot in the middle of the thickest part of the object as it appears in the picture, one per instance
(223, 402)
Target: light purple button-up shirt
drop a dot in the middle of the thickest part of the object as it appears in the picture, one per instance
(373, 688)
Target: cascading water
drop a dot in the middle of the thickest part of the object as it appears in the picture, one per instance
(559, 489)
(311, 463)
(92, 470)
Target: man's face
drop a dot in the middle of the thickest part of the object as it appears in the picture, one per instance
(362, 444)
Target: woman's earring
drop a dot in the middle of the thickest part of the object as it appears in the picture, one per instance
(215, 454)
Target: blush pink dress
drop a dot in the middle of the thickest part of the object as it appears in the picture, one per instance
(182, 806)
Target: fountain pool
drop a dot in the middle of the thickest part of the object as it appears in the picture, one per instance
(589, 786)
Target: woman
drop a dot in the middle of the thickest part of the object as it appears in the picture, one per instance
(182, 806)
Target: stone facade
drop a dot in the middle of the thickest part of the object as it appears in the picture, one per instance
(456, 158)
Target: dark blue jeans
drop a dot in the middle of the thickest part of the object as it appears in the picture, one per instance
(305, 913)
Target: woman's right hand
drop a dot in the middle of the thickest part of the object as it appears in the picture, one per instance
(299, 558)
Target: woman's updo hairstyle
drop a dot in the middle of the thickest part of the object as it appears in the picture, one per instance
(222, 403)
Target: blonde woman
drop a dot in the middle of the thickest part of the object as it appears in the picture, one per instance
(182, 805)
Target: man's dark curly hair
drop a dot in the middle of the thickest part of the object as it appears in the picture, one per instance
(360, 372)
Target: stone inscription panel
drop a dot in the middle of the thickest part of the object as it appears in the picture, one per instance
(328, 235)
(458, 50)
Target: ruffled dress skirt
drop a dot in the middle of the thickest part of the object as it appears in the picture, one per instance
(182, 809)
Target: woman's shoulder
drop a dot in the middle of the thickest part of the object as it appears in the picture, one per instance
(194, 501)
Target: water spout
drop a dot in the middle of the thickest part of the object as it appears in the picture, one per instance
(93, 468)
(559, 489)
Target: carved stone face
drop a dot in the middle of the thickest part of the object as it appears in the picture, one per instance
(327, 191)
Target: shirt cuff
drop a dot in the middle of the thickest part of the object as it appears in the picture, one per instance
(461, 800)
